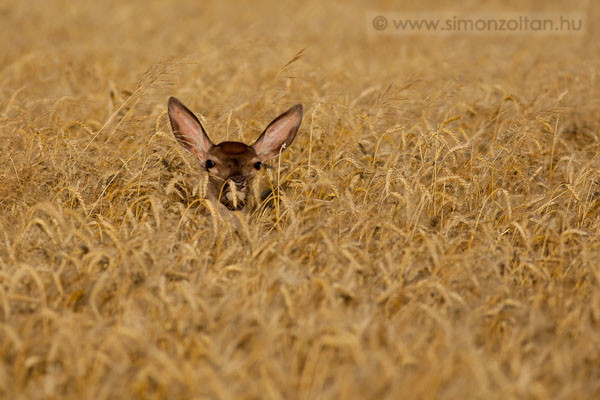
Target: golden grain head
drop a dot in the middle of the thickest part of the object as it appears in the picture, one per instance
(432, 232)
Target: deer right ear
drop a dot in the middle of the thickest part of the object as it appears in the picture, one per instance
(187, 129)
(280, 132)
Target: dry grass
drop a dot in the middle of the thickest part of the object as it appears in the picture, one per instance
(436, 233)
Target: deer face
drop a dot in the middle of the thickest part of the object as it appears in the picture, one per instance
(232, 165)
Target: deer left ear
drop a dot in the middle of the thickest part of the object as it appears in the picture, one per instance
(279, 133)
(188, 130)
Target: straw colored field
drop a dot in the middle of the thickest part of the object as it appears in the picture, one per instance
(436, 233)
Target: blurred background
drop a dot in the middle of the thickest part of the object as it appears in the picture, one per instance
(212, 49)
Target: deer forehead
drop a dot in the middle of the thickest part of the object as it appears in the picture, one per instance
(235, 152)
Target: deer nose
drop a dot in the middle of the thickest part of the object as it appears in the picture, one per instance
(239, 180)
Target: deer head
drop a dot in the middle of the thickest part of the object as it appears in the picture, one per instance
(232, 165)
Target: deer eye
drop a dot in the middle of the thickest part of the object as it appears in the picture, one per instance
(257, 165)
(210, 164)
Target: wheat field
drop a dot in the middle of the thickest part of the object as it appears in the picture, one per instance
(433, 231)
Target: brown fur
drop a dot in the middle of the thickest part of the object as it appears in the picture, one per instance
(232, 163)
(235, 161)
